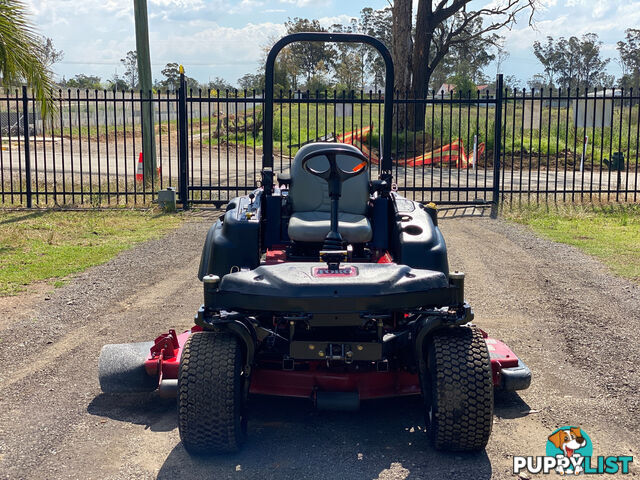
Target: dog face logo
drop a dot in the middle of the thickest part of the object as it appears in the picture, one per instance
(568, 440)
(570, 444)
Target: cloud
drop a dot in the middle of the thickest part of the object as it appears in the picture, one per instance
(188, 4)
(341, 19)
(306, 3)
(221, 43)
(246, 6)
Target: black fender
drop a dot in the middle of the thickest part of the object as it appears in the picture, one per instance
(425, 330)
(427, 325)
(235, 324)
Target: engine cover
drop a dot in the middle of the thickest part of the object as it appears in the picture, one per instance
(312, 288)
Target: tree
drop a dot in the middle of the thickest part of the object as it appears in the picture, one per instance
(464, 86)
(538, 82)
(309, 57)
(171, 72)
(402, 45)
(117, 84)
(318, 83)
(469, 57)
(440, 25)
(130, 62)
(349, 60)
(512, 82)
(378, 24)
(50, 54)
(82, 81)
(21, 57)
(286, 67)
(219, 83)
(629, 52)
(591, 67)
(251, 81)
(348, 71)
(401, 51)
(501, 56)
(549, 56)
(572, 63)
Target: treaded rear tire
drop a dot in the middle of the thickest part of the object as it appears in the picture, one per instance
(211, 403)
(460, 407)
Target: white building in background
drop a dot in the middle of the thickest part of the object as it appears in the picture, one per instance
(445, 89)
(596, 110)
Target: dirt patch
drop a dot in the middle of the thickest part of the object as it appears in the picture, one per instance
(574, 323)
(24, 302)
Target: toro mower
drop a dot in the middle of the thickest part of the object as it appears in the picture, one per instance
(327, 285)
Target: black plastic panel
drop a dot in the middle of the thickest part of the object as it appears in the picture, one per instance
(417, 241)
(273, 228)
(380, 223)
(292, 287)
(234, 241)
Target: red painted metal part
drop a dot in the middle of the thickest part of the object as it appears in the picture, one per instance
(501, 357)
(386, 258)
(164, 359)
(276, 255)
(304, 383)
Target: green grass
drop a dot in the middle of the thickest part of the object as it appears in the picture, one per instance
(99, 193)
(609, 233)
(50, 245)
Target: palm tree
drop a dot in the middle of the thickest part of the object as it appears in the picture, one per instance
(21, 56)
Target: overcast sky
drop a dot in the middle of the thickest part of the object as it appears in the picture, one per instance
(224, 37)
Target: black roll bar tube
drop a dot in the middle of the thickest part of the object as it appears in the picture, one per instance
(267, 159)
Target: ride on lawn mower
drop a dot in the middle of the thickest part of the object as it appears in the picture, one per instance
(322, 284)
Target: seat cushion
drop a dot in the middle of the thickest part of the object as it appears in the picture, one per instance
(314, 226)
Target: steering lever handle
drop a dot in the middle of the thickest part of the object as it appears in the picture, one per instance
(334, 172)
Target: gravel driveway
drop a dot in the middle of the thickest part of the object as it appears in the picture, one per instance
(575, 325)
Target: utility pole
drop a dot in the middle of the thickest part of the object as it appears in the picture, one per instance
(146, 83)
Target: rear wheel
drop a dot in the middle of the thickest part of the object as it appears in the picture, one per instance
(211, 394)
(460, 401)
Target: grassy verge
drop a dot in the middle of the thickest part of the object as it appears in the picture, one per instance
(49, 245)
(611, 233)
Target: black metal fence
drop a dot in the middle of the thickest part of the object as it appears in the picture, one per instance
(478, 148)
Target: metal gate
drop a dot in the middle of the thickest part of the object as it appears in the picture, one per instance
(452, 159)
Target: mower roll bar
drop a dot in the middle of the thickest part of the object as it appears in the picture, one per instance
(267, 160)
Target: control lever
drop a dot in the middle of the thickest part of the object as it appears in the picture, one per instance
(333, 251)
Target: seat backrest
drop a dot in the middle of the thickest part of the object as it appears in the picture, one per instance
(309, 193)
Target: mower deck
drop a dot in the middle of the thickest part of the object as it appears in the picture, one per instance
(304, 379)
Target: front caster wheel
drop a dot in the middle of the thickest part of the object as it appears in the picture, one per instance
(460, 401)
(211, 394)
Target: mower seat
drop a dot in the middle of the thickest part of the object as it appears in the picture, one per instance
(310, 220)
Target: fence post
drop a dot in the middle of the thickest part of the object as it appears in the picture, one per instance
(182, 153)
(497, 144)
(27, 146)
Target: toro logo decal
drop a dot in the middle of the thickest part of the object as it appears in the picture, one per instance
(569, 451)
(348, 271)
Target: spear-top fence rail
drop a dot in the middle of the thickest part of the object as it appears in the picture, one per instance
(480, 147)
